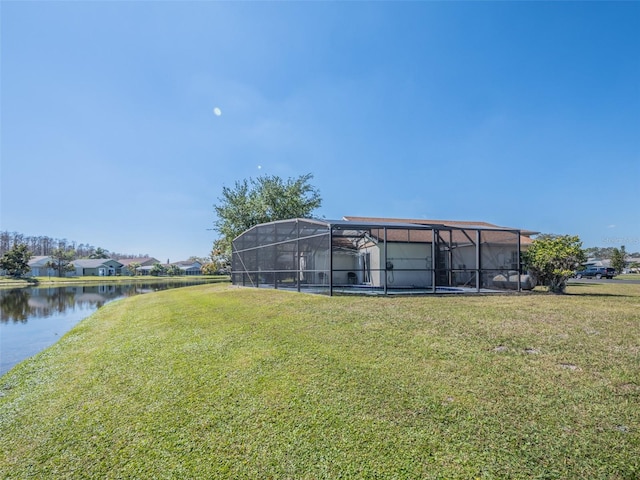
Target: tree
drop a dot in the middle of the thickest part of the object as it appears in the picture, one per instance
(552, 259)
(100, 253)
(200, 260)
(265, 199)
(173, 270)
(157, 269)
(133, 268)
(5, 242)
(220, 256)
(209, 269)
(618, 257)
(16, 261)
(61, 260)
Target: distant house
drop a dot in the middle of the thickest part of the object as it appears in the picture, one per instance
(189, 267)
(145, 270)
(186, 267)
(100, 267)
(144, 262)
(594, 262)
(39, 268)
(606, 262)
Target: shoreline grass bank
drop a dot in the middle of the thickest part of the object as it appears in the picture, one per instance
(221, 382)
(8, 282)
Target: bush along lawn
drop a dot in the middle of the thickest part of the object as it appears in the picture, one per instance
(221, 382)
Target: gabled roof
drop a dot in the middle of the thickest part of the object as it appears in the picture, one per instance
(187, 263)
(447, 223)
(474, 225)
(396, 230)
(190, 267)
(142, 261)
(38, 260)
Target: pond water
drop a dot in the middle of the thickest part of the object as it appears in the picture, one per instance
(32, 319)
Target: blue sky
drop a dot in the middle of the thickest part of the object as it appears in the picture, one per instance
(523, 114)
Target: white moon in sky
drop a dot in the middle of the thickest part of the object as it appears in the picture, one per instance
(259, 167)
(217, 111)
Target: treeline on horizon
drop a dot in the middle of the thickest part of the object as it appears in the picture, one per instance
(44, 245)
(605, 252)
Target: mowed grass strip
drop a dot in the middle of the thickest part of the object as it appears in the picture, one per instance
(220, 382)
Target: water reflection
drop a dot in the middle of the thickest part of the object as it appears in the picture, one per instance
(21, 304)
(32, 319)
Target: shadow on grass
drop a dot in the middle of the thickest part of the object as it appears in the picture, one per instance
(617, 295)
(583, 290)
(587, 286)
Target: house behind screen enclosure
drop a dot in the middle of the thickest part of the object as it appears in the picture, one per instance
(381, 256)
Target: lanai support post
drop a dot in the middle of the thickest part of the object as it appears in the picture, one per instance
(298, 254)
(519, 264)
(385, 260)
(433, 260)
(330, 260)
(478, 257)
(450, 258)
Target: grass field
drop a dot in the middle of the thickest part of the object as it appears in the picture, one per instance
(627, 276)
(219, 382)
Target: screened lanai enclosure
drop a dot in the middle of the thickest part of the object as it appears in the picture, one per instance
(342, 256)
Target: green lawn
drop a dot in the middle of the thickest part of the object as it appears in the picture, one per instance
(219, 382)
(627, 276)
